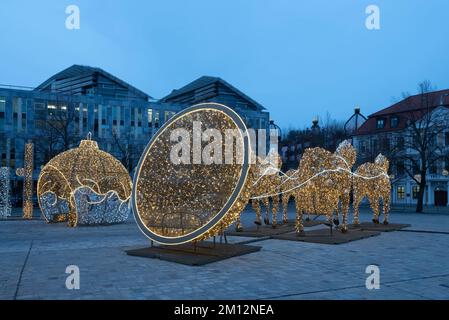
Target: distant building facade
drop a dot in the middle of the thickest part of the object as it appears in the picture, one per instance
(82, 99)
(295, 142)
(385, 131)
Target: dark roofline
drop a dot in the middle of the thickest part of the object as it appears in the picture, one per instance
(181, 91)
(87, 70)
(386, 111)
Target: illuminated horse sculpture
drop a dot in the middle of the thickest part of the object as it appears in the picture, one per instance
(324, 182)
(371, 180)
(313, 192)
(265, 180)
(344, 160)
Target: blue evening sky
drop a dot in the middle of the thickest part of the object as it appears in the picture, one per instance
(300, 59)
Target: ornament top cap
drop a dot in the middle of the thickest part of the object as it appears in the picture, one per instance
(89, 143)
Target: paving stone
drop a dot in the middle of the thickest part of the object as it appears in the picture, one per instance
(413, 265)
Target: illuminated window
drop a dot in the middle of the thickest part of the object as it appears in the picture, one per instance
(156, 119)
(415, 192)
(150, 117)
(401, 192)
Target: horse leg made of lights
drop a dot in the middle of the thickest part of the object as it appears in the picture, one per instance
(288, 182)
(371, 181)
(322, 186)
(386, 202)
(256, 206)
(285, 198)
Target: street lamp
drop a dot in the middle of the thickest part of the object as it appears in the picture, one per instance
(274, 126)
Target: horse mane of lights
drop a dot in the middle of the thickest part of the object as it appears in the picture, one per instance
(84, 186)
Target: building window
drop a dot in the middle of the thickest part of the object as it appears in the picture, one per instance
(362, 146)
(415, 192)
(415, 168)
(2, 111)
(433, 169)
(375, 146)
(446, 137)
(380, 123)
(401, 192)
(150, 117)
(2, 107)
(394, 122)
(156, 119)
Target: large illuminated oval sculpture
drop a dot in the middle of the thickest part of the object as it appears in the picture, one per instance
(179, 194)
(84, 186)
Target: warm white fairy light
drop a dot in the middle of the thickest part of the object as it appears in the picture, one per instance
(27, 173)
(375, 189)
(84, 186)
(176, 203)
(323, 182)
(264, 179)
(5, 202)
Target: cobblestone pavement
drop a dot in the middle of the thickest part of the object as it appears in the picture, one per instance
(413, 265)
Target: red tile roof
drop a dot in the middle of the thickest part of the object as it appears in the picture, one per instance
(410, 108)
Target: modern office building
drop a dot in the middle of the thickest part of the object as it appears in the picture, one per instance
(81, 99)
(388, 132)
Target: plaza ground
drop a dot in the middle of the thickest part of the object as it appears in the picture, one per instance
(414, 264)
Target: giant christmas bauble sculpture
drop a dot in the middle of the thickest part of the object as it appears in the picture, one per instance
(84, 185)
(192, 179)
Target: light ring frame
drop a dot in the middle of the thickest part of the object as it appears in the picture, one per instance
(232, 198)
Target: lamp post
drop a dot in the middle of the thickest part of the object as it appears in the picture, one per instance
(274, 126)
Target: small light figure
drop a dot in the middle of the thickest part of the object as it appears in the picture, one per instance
(27, 173)
(5, 204)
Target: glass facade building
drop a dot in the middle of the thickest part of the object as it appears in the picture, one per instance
(60, 112)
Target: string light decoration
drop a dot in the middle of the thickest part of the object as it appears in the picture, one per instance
(323, 183)
(190, 201)
(85, 186)
(289, 181)
(27, 173)
(317, 195)
(5, 202)
(375, 189)
(265, 179)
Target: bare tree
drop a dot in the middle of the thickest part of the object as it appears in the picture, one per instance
(128, 152)
(57, 132)
(420, 146)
